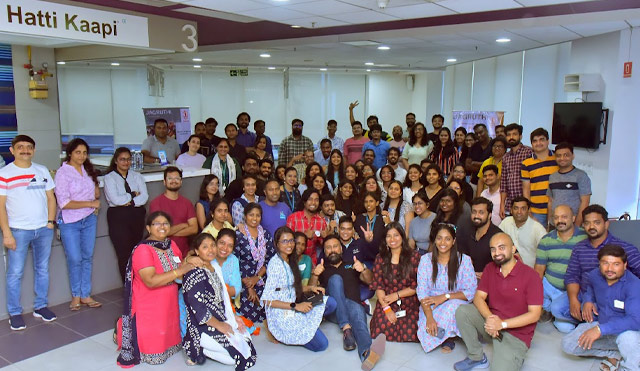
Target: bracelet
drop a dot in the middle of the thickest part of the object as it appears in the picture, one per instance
(174, 272)
(386, 309)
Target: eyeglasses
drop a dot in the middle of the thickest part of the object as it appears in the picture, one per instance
(160, 224)
(288, 242)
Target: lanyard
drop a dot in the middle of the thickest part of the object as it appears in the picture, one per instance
(291, 201)
(286, 272)
(225, 176)
(371, 223)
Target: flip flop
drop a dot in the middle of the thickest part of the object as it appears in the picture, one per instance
(75, 307)
(375, 352)
(608, 366)
(92, 304)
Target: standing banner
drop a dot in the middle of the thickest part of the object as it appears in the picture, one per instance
(468, 119)
(179, 119)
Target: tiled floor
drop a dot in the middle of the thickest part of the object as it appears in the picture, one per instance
(87, 335)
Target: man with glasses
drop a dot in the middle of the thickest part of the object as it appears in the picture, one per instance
(295, 144)
(183, 215)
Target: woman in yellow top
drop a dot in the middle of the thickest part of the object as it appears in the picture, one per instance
(219, 217)
(498, 149)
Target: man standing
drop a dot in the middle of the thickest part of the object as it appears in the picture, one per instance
(249, 167)
(329, 213)
(160, 142)
(301, 168)
(500, 131)
(265, 171)
(569, 185)
(183, 215)
(27, 217)
(336, 141)
(535, 175)
(210, 140)
(379, 147)
(505, 310)
(552, 256)
(309, 222)
(473, 239)
(321, 156)
(371, 120)
(510, 183)
(491, 179)
(353, 145)
(295, 144)
(274, 212)
(259, 127)
(245, 137)
(410, 120)
(584, 258)
(524, 231)
(236, 150)
(479, 152)
(615, 294)
(397, 141)
(437, 121)
(393, 156)
(342, 282)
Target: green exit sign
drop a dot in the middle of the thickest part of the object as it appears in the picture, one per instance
(239, 72)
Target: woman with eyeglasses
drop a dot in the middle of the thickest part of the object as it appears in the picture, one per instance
(150, 323)
(459, 173)
(126, 194)
(420, 226)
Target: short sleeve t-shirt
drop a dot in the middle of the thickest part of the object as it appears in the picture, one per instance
(274, 217)
(185, 160)
(567, 188)
(153, 145)
(180, 210)
(350, 279)
(25, 189)
(419, 230)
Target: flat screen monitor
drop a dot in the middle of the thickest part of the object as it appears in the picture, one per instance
(577, 123)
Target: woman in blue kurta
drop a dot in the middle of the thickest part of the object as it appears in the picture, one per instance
(213, 330)
(254, 248)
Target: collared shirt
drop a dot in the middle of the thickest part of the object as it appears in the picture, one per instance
(584, 258)
(526, 238)
(299, 222)
(73, 186)
(512, 295)
(353, 149)
(495, 200)
(537, 172)
(555, 254)
(380, 150)
(319, 158)
(291, 147)
(153, 145)
(246, 140)
(618, 305)
(401, 174)
(510, 182)
(478, 250)
(336, 142)
(336, 217)
(116, 194)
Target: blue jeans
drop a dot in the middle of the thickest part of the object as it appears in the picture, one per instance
(556, 301)
(542, 218)
(623, 345)
(348, 312)
(40, 241)
(78, 240)
(319, 341)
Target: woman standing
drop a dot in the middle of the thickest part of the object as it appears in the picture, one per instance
(78, 197)
(209, 190)
(418, 147)
(224, 166)
(254, 249)
(413, 182)
(191, 158)
(353, 174)
(444, 153)
(126, 194)
(394, 281)
(213, 329)
(456, 185)
(420, 227)
(458, 141)
(260, 148)
(446, 280)
(395, 208)
(292, 320)
(151, 319)
(219, 217)
(434, 185)
(290, 194)
(335, 169)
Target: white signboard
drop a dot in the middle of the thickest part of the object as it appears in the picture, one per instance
(41, 18)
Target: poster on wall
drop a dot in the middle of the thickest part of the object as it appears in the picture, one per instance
(179, 119)
(468, 119)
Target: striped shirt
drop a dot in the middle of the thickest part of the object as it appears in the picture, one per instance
(584, 258)
(510, 182)
(26, 193)
(536, 172)
(555, 253)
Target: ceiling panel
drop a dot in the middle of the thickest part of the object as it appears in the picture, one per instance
(217, 14)
(548, 2)
(314, 22)
(546, 35)
(373, 4)
(592, 29)
(324, 7)
(275, 14)
(418, 11)
(471, 6)
(367, 16)
(226, 6)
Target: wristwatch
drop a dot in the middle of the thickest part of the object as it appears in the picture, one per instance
(504, 325)
(53, 222)
(293, 306)
(448, 296)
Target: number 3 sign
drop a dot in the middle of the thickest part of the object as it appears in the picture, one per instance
(192, 46)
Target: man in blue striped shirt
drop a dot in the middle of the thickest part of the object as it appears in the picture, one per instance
(584, 259)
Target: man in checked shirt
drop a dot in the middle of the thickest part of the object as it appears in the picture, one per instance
(510, 182)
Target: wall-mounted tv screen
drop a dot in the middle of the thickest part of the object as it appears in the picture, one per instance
(577, 123)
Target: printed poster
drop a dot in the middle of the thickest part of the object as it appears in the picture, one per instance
(468, 119)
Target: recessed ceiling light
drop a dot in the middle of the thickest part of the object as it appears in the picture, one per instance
(503, 40)
(295, 26)
(368, 63)
(323, 69)
(115, 64)
(271, 68)
(452, 60)
(265, 55)
(197, 59)
(196, 66)
(368, 70)
(383, 47)
(61, 62)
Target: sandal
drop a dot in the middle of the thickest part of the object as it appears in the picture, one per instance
(375, 352)
(91, 304)
(606, 365)
(448, 346)
(75, 307)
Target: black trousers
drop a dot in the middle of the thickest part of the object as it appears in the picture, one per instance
(126, 227)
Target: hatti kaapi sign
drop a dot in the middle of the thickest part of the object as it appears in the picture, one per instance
(41, 18)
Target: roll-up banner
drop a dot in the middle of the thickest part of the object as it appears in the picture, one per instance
(468, 119)
(179, 119)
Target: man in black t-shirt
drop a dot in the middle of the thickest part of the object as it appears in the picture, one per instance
(478, 152)
(342, 282)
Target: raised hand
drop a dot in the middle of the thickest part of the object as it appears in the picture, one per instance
(317, 271)
(368, 233)
(357, 265)
(353, 105)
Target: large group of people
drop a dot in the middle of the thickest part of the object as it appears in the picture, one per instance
(435, 236)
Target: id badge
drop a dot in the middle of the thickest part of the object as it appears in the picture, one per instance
(176, 259)
(401, 313)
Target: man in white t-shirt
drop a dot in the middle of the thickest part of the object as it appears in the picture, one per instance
(492, 192)
(27, 218)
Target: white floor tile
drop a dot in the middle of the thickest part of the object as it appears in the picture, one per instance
(82, 355)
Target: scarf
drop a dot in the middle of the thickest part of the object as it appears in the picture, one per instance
(259, 252)
(130, 353)
(216, 169)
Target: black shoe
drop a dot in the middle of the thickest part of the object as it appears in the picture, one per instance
(348, 341)
(545, 317)
(17, 322)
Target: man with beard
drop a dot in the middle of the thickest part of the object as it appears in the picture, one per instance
(342, 282)
(249, 167)
(525, 231)
(246, 138)
(554, 251)
(274, 212)
(505, 309)
(615, 334)
(368, 157)
(392, 160)
(294, 145)
(479, 152)
(437, 121)
(158, 142)
(301, 168)
(510, 183)
(236, 150)
(500, 131)
(179, 208)
(210, 140)
(353, 146)
(371, 120)
(584, 258)
(310, 222)
(473, 239)
(265, 169)
(410, 120)
(397, 141)
(329, 212)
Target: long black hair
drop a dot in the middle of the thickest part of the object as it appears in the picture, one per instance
(113, 164)
(88, 166)
(457, 209)
(387, 201)
(412, 136)
(307, 178)
(342, 204)
(204, 196)
(449, 148)
(455, 258)
(406, 252)
(331, 169)
(421, 179)
(292, 261)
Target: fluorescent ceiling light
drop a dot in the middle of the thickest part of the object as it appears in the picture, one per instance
(271, 68)
(452, 60)
(368, 63)
(196, 66)
(383, 47)
(323, 69)
(368, 70)
(115, 64)
(295, 26)
(265, 55)
(503, 40)
(61, 62)
(197, 59)
(361, 43)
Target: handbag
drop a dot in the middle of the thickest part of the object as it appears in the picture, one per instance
(313, 298)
